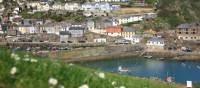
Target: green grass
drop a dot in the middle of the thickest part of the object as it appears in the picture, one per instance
(36, 75)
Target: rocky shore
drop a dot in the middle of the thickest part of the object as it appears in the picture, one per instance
(112, 52)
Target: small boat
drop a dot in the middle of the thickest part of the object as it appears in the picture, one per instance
(198, 67)
(183, 64)
(148, 56)
(121, 69)
(160, 58)
(169, 79)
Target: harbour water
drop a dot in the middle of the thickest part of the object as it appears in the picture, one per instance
(150, 68)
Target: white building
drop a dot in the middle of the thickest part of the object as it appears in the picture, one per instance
(136, 39)
(103, 6)
(58, 6)
(100, 40)
(44, 7)
(126, 19)
(27, 29)
(155, 43)
(72, 6)
(110, 0)
(34, 4)
(2, 8)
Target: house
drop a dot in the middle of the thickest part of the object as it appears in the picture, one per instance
(58, 6)
(128, 33)
(64, 36)
(34, 4)
(126, 19)
(100, 40)
(1, 30)
(1, 1)
(113, 31)
(155, 43)
(54, 28)
(136, 39)
(72, 6)
(188, 31)
(88, 6)
(110, 0)
(103, 6)
(77, 31)
(44, 7)
(91, 25)
(101, 25)
(2, 8)
(27, 27)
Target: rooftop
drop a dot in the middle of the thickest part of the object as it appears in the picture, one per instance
(128, 29)
(156, 39)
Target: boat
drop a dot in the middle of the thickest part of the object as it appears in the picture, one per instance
(183, 64)
(148, 56)
(198, 67)
(121, 69)
(169, 79)
(160, 58)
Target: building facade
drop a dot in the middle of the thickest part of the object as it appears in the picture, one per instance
(113, 31)
(188, 31)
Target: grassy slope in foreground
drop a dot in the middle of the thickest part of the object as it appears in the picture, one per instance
(36, 75)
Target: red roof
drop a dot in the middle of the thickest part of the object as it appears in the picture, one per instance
(113, 30)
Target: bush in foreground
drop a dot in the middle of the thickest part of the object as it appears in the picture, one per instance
(24, 71)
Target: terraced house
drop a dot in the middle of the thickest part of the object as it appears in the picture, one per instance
(128, 33)
(188, 31)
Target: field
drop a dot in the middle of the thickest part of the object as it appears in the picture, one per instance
(134, 10)
(21, 70)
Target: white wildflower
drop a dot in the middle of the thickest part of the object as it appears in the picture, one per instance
(26, 55)
(34, 60)
(26, 59)
(84, 86)
(61, 86)
(13, 55)
(113, 83)
(71, 64)
(13, 71)
(17, 58)
(53, 81)
(101, 75)
(122, 87)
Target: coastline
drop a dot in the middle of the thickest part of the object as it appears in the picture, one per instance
(154, 55)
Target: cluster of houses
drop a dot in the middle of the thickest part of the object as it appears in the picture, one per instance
(89, 6)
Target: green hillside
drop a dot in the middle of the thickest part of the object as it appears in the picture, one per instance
(176, 12)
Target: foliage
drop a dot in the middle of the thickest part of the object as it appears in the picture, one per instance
(176, 12)
(37, 74)
(53, 16)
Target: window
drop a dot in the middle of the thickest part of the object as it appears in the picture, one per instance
(186, 32)
(193, 32)
(191, 37)
(195, 37)
(179, 32)
(186, 29)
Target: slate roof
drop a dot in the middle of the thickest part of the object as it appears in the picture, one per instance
(156, 39)
(128, 29)
(76, 28)
(64, 33)
(186, 25)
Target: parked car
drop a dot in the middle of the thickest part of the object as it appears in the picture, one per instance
(186, 49)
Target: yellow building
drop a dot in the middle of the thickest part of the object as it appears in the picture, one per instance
(128, 33)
